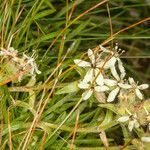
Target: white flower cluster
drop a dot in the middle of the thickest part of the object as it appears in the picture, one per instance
(105, 73)
(23, 62)
(133, 120)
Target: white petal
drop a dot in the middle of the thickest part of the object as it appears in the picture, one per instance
(145, 139)
(143, 86)
(87, 94)
(114, 73)
(99, 77)
(83, 85)
(89, 76)
(121, 68)
(100, 80)
(111, 62)
(101, 88)
(131, 125)
(110, 82)
(91, 56)
(125, 86)
(123, 119)
(113, 94)
(138, 93)
(82, 63)
(105, 50)
(131, 80)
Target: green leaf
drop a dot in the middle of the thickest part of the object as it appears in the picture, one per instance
(78, 30)
(111, 107)
(44, 13)
(69, 88)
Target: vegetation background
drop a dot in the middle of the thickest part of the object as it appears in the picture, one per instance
(60, 31)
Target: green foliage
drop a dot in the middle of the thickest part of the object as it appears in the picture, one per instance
(34, 24)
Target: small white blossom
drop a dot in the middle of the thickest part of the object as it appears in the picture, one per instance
(30, 61)
(112, 95)
(93, 66)
(111, 63)
(132, 121)
(90, 89)
(22, 62)
(137, 87)
(118, 84)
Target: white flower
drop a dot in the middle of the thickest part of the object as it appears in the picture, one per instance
(90, 89)
(137, 87)
(145, 139)
(30, 61)
(132, 121)
(93, 66)
(119, 84)
(111, 63)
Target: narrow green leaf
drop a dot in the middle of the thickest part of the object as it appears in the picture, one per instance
(69, 88)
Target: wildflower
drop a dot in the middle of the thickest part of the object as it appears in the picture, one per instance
(30, 61)
(93, 66)
(118, 84)
(132, 121)
(21, 62)
(137, 87)
(90, 89)
(111, 63)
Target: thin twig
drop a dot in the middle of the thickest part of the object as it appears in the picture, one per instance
(37, 117)
(34, 121)
(77, 18)
(124, 29)
(43, 140)
(110, 24)
(72, 10)
(65, 119)
(74, 130)
(9, 128)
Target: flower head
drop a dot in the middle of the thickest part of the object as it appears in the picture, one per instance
(137, 87)
(132, 121)
(118, 85)
(93, 67)
(21, 62)
(30, 61)
(112, 76)
(114, 62)
(90, 89)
